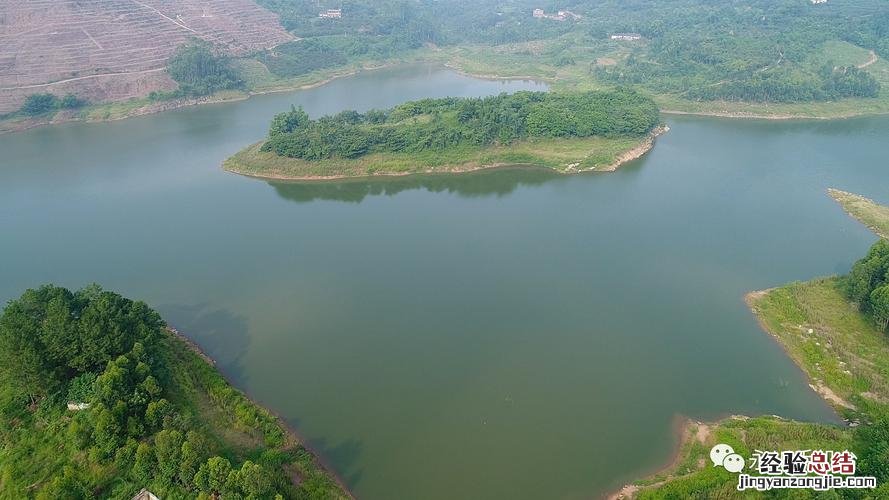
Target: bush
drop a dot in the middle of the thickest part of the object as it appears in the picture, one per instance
(38, 104)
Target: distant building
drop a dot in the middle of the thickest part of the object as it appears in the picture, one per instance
(332, 14)
(626, 36)
(72, 406)
(558, 16)
(145, 495)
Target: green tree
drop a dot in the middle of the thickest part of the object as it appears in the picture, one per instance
(108, 432)
(168, 452)
(284, 123)
(879, 304)
(37, 104)
(200, 71)
(254, 481)
(157, 413)
(194, 451)
(868, 274)
(145, 464)
(213, 475)
(71, 101)
(872, 441)
(68, 486)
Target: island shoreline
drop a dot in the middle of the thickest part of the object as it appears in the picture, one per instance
(640, 150)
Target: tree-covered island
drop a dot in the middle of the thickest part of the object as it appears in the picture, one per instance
(568, 132)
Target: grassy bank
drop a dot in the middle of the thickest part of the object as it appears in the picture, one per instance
(868, 212)
(562, 155)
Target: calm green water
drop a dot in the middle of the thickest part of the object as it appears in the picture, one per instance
(504, 335)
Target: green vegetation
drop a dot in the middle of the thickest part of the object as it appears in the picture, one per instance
(743, 51)
(869, 213)
(156, 414)
(561, 155)
(760, 58)
(301, 57)
(38, 104)
(199, 71)
(764, 51)
(567, 132)
(868, 284)
(439, 124)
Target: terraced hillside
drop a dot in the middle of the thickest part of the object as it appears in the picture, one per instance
(106, 50)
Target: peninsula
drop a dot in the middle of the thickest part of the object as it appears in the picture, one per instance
(566, 132)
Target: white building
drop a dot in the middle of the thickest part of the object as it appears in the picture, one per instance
(626, 36)
(332, 14)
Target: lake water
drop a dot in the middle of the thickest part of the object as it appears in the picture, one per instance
(511, 334)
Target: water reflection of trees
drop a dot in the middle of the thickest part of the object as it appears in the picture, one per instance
(497, 182)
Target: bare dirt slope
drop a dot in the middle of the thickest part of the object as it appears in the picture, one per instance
(105, 50)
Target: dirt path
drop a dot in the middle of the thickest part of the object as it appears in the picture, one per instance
(873, 59)
(57, 82)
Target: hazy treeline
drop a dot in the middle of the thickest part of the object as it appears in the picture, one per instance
(758, 50)
(742, 50)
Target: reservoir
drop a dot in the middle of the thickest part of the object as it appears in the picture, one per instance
(511, 334)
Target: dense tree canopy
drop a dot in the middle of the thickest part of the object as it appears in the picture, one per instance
(136, 427)
(199, 70)
(436, 124)
(868, 283)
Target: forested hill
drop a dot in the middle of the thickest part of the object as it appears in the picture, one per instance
(439, 124)
(735, 50)
(145, 410)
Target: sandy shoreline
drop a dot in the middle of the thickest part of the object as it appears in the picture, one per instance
(687, 429)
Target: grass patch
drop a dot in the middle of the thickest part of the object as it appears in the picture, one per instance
(867, 211)
(589, 153)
